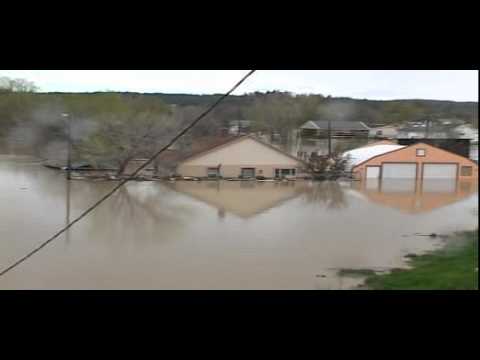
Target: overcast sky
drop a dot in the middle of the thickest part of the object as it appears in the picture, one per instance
(458, 85)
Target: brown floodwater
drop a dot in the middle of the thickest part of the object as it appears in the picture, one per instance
(217, 235)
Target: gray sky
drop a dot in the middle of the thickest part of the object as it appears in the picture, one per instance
(458, 85)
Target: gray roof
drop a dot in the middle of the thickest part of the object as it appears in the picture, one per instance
(341, 125)
(423, 129)
(240, 123)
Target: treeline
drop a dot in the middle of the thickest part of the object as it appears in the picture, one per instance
(115, 127)
(255, 106)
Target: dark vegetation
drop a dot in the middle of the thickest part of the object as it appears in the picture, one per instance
(455, 267)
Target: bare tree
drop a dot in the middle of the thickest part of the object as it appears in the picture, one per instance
(131, 128)
(16, 85)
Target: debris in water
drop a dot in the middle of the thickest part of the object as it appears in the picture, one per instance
(432, 235)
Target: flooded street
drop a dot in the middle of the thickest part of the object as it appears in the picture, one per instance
(217, 235)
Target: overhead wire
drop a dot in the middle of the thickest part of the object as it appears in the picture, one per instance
(124, 181)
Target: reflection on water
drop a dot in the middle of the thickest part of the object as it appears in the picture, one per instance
(217, 234)
(416, 196)
(241, 198)
(250, 198)
(328, 193)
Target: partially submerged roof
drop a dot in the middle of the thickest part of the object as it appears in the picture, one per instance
(338, 125)
(422, 144)
(380, 142)
(234, 139)
(360, 155)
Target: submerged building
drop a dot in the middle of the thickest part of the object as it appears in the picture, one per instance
(419, 161)
(245, 157)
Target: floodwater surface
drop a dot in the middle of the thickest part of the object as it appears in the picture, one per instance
(217, 235)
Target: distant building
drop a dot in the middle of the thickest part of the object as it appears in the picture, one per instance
(339, 129)
(421, 131)
(383, 132)
(239, 127)
(433, 129)
(467, 132)
(344, 135)
(444, 129)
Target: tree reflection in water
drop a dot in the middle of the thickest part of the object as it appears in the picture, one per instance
(131, 207)
(328, 193)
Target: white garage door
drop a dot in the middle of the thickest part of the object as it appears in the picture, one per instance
(399, 171)
(439, 171)
(373, 172)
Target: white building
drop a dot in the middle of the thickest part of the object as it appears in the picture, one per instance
(359, 155)
(243, 156)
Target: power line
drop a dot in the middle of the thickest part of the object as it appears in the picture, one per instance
(123, 182)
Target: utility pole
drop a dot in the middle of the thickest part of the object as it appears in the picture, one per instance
(427, 130)
(69, 145)
(329, 139)
(69, 166)
(67, 210)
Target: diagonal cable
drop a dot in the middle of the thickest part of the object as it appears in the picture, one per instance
(123, 182)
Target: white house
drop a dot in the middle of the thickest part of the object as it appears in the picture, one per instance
(243, 156)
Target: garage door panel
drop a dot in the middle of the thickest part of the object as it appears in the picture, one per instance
(440, 171)
(398, 185)
(439, 185)
(373, 172)
(399, 171)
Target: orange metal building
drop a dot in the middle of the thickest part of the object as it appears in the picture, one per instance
(420, 162)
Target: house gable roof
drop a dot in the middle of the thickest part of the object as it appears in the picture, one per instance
(237, 139)
(337, 125)
(380, 142)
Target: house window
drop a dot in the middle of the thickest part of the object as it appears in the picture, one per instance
(421, 152)
(466, 171)
(248, 172)
(285, 172)
(213, 172)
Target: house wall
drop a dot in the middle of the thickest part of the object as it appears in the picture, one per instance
(245, 153)
(408, 155)
(233, 170)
